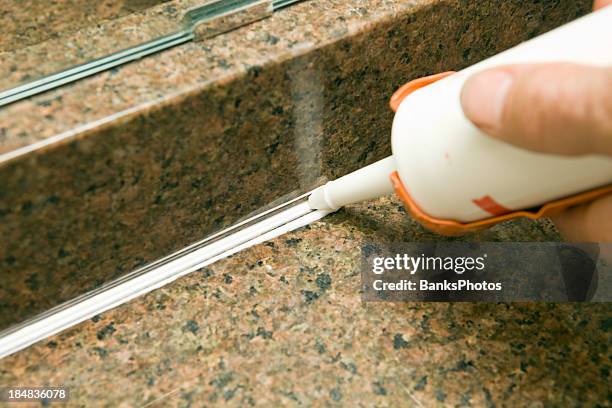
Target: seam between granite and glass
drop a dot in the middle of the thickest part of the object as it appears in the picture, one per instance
(267, 225)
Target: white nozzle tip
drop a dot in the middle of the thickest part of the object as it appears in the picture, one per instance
(317, 200)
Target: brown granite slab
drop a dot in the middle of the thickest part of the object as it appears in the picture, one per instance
(282, 324)
(142, 160)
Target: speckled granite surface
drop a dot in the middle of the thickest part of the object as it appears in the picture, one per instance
(145, 159)
(282, 324)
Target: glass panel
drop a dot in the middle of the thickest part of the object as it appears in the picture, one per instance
(45, 46)
(26, 23)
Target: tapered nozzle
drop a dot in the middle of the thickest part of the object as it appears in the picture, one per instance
(318, 200)
(364, 184)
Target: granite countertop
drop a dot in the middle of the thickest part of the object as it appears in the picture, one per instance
(107, 174)
(282, 323)
(112, 172)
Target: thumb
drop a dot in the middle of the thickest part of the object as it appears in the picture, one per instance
(589, 222)
(597, 4)
(551, 108)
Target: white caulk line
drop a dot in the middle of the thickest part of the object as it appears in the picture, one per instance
(293, 217)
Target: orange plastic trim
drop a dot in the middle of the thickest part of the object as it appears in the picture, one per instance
(450, 227)
(408, 88)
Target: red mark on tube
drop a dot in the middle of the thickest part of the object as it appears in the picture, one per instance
(490, 205)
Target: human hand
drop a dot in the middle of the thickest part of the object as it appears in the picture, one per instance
(551, 108)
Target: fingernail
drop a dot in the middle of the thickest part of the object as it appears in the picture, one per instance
(483, 97)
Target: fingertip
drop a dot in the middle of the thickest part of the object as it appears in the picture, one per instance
(483, 98)
(598, 4)
(556, 108)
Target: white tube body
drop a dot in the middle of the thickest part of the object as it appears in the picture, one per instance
(446, 163)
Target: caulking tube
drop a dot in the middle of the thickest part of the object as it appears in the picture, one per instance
(452, 171)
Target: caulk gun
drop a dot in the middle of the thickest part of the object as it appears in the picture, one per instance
(451, 176)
